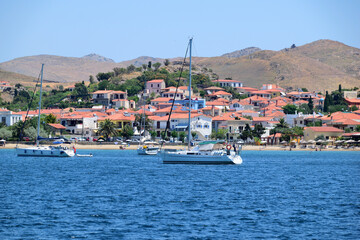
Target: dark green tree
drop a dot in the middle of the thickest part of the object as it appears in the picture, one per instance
(166, 62)
(51, 118)
(130, 68)
(156, 66)
(80, 92)
(289, 109)
(174, 134)
(311, 105)
(140, 124)
(182, 136)
(326, 102)
(127, 131)
(104, 76)
(91, 79)
(108, 129)
(247, 133)
(258, 130)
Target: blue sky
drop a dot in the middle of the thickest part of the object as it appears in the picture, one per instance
(124, 30)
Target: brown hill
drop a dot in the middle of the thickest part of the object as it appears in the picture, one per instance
(67, 69)
(319, 65)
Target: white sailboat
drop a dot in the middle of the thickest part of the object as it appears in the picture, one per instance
(206, 152)
(44, 151)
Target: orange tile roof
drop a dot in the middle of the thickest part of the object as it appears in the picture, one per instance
(156, 81)
(57, 125)
(161, 99)
(353, 101)
(345, 122)
(247, 88)
(102, 91)
(220, 93)
(229, 116)
(216, 103)
(324, 129)
(261, 92)
(262, 119)
(276, 114)
(214, 88)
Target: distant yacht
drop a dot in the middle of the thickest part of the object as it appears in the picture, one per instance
(44, 151)
(208, 152)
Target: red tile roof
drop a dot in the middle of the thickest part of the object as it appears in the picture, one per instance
(57, 125)
(324, 129)
(156, 81)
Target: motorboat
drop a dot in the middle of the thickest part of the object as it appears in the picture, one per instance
(46, 151)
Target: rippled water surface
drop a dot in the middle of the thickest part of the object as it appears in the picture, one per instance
(119, 195)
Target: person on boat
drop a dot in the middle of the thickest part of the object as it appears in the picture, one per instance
(234, 146)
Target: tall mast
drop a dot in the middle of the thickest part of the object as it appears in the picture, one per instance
(38, 126)
(143, 115)
(189, 124)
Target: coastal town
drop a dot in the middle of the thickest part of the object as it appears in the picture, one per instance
(227, 110)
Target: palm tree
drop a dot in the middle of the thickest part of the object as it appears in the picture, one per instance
(108, 129)
(282, 124)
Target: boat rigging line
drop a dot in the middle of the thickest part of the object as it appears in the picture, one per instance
(28, 109)
(172, 105)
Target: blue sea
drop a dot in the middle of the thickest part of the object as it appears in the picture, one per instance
(119, 195)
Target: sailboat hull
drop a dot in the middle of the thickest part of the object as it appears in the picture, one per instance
(188, 157)
(45, 152)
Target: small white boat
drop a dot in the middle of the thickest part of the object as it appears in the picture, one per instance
(147, 150)
(46, 151)
(84, 155)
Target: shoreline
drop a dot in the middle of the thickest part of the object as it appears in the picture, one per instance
(134, 147)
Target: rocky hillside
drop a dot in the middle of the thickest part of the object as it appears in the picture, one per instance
(98, 58)
(242, 52)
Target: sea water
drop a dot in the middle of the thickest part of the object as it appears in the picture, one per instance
(119, 195)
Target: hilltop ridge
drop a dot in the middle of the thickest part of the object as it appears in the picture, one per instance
(318, 65)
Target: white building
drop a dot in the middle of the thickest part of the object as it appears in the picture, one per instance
(9, 118)
(228, 83)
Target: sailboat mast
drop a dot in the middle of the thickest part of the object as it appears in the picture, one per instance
(143, 115)
(38, 126)
(189, 123)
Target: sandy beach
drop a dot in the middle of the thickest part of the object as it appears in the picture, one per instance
(107, 146)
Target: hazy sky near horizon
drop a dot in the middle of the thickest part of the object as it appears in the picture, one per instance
(124, 30)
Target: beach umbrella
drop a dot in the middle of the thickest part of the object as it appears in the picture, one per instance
(303, 142)
(350, 141)
(311, 141)
(339, 141)
(320, 141)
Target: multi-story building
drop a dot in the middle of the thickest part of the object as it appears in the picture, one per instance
(228, 83)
